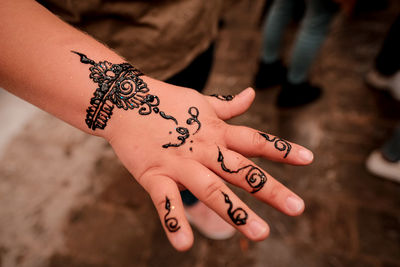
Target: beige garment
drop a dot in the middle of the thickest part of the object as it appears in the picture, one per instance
(159, 37)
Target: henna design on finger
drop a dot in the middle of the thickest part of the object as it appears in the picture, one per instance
(170, 223)
(255, 177)
(194, 113)
(223, 97)
(280, 144)
(238, 215)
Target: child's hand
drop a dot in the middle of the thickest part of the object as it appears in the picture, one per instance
(197, 150)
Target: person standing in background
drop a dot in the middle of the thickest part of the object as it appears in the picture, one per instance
(385, 161)
(296, 87)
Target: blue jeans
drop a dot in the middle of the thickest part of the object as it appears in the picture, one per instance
(313, 30)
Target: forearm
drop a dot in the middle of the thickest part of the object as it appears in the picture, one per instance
(36, 62)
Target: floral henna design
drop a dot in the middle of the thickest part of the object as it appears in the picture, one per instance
(170, 223)
(280, 144)
(223, 97)
(120, 85)
(238, 215)
(254, 176)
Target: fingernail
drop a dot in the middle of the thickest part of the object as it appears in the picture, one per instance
(180, 239)
(257, 229)
(294, 204)
(305, 155)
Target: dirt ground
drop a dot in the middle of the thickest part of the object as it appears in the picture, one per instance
(67, 201)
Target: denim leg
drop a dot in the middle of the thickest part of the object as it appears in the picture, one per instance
(313, 31)
(391, 148)
(388, 60)
(279, 16)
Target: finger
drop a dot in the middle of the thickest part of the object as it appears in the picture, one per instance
(251, 143)
(230, 106)
(212, 191)
(167, 200)
(240, 171)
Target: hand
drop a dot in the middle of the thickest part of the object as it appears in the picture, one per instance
(197, 150)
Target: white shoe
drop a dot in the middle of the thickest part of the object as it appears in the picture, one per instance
(394, 87)
(385, 83)
(377, 80)
(209, 223)
(379, 166)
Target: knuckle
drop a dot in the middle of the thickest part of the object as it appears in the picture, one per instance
(274, 192)
(257, 140)
(212, 191)
(242, 162)
(160, 204)
(216, 123)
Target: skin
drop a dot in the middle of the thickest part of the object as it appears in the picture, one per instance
(36, 64)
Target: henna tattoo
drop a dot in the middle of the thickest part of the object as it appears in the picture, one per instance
(194, 118)
(280, 144)
(255, 177)
(184, 134)
(120, 85)
(170, 223)
(168, 117)
(224, 97)
(238, 215)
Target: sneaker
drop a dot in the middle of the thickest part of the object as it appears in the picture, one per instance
(384, 83)
(394, 88)
(377, 80)
(209, 223)
(381, 167)
(270, 74)
(293, 95)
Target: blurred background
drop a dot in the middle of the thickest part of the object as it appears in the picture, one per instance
(66, 200)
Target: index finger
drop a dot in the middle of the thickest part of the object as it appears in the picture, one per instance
(250, 142)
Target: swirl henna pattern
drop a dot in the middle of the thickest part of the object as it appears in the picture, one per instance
(170, 223)
(280, 144)
(254, 176)
(194, 113)
(120, 85)
(238, 215)
(223, 97)
(184, 134)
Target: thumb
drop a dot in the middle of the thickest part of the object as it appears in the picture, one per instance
(227, 107)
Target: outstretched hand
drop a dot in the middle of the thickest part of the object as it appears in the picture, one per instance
(168, 137)
(181, 141)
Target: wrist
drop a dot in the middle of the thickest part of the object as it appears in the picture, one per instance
(129, 99)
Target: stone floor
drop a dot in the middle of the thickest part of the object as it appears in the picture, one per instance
(66, 200)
